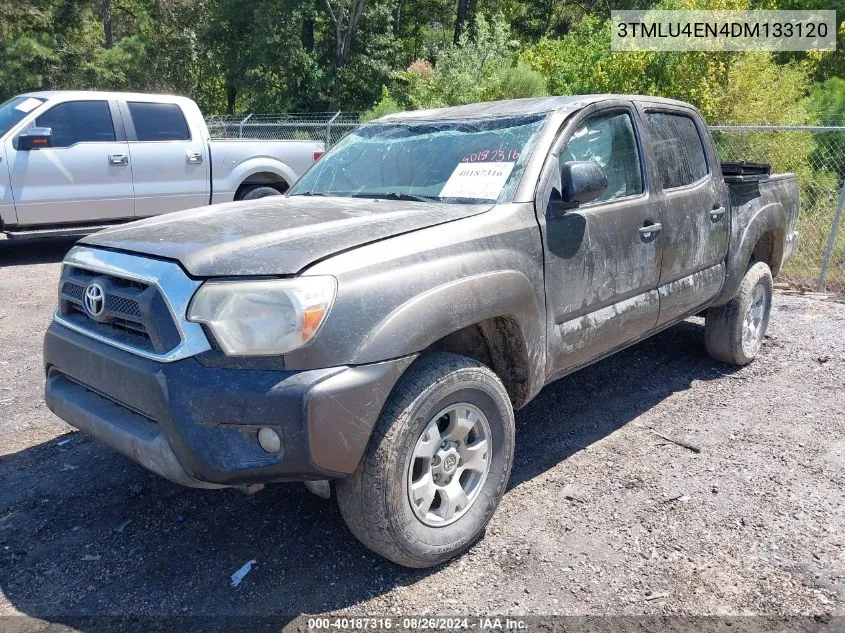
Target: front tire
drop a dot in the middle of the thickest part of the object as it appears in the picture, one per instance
(436, 466)
(733, 333)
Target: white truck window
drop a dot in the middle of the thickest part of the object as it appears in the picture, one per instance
(159, 121)
(79, 122)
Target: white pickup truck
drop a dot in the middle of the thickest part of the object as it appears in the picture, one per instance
(74, 162)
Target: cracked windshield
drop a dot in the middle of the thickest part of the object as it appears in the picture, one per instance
(461, 161)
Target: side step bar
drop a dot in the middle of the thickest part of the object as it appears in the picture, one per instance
(65, 231)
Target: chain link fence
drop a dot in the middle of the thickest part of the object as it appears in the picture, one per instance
(328, 127)
(816, 154)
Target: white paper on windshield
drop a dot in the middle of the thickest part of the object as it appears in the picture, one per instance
(28, 105)
(477, 180)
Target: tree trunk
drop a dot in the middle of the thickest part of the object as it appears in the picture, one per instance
(107, 23)
(308, 34)
(461, 19)
(346, 28)
(231, 96)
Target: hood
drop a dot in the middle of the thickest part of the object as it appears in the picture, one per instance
(275, 235)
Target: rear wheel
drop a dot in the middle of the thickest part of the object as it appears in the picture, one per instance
(258, 191)
(437, 463)
(733, 333)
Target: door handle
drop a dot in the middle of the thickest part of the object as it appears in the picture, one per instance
(118, 159)
(648, 232)
(193, 158)
(716, 214)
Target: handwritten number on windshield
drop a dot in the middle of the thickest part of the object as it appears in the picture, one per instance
(493, 155)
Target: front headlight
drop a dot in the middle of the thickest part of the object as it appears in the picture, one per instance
(263, 317)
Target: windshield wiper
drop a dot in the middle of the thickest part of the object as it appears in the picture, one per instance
(395, 195)
(308, 193)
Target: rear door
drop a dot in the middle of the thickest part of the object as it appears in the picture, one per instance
(697, 221)
(169, 163)
(603, 257)
(84, 177)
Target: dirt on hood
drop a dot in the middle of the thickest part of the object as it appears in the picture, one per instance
(276, 235)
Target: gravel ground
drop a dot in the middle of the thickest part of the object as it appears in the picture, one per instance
(603, 516)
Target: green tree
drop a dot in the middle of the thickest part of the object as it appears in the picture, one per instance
(26, 48)
(478, 69)
(827, 107)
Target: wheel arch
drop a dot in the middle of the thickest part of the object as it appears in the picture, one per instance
(499, 344)
(762, 238)
(267, 178)
(257, 170)
(494, 318)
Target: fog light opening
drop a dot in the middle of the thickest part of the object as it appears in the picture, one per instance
(269, 440)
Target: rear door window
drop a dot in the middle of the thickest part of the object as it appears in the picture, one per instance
(79, 122)
(159, 121)
(678, 149)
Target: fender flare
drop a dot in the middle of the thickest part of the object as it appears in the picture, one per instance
(769, 217)
(428, 317)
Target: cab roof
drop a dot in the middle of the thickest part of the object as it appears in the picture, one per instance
(70, 95)
(519, 107)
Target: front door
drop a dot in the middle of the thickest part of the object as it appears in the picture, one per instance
(85, 177)
(602, 258)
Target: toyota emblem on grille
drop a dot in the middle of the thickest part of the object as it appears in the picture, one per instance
(95, 299)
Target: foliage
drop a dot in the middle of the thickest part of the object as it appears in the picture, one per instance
(481, 68)
(692, 76)
(305, 55)
(386, 105)
(827, 102)
(827, 107)
(25, 50)
(747, 99)
(746, 96)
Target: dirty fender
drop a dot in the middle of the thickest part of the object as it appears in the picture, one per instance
(451, 307)
(746, 235)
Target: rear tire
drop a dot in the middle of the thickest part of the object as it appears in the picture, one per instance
(416, 452)
(258, 191)
(733, 333)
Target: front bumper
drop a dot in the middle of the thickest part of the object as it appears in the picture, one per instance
(198, 425)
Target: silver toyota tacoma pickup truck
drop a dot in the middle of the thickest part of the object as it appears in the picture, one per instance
(378, 326)
(73, 162)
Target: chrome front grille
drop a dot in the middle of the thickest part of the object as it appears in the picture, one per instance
(133, 313)
(144, 303)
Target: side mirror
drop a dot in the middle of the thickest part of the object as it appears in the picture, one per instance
(582, 181)
(35, 138)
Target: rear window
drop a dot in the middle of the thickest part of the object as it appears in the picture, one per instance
(678, 148)
(159, 121)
